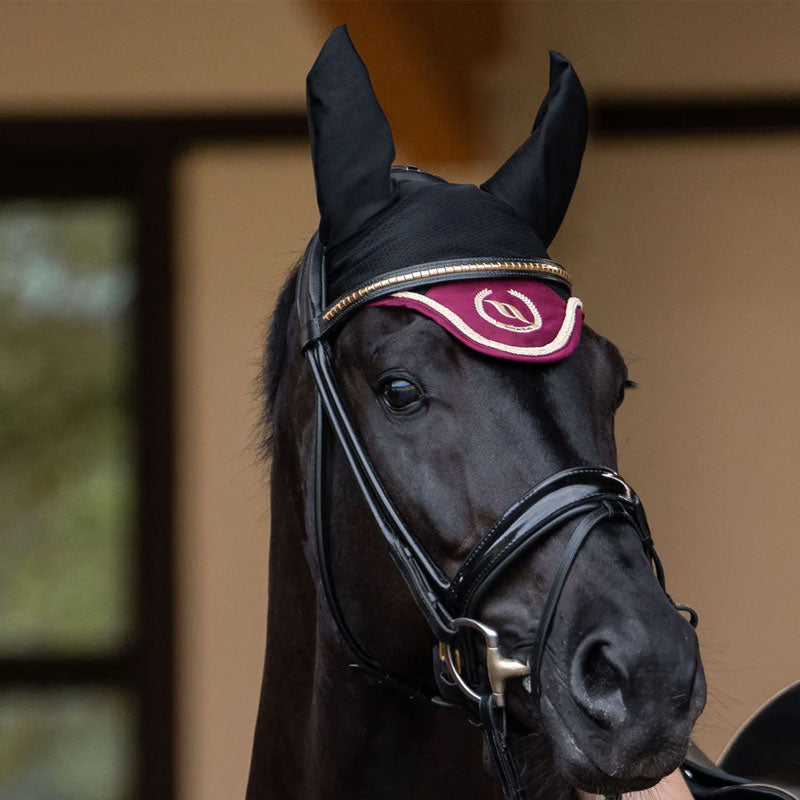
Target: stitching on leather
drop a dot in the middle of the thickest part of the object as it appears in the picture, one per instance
(514, 544)
(502, 523)
(476, 581)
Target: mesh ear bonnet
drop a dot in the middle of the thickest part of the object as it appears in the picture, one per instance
(376, 220)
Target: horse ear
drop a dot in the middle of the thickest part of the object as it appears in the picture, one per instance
(351, 143)
(539, 178)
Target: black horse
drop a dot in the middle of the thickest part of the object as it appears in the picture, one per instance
(456, 436)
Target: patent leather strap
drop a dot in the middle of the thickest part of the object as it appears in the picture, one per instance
(374, 672)
(548, 506)
(423, 577)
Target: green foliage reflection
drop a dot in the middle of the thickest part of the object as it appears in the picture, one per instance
(66, 428)
(65, 745)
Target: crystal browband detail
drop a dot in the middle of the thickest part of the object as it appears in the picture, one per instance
(541, 268)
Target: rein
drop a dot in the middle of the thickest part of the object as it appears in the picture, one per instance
(590, 495)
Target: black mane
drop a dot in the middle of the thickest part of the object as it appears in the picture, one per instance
(275, 354)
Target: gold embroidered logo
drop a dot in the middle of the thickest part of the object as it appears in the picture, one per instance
(509, 311)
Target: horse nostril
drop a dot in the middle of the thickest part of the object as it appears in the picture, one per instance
(596, 680)
(599, 675)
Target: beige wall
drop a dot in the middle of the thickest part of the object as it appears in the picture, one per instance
(665, 241)
(686, 256)
(244, 220)
(167, 55)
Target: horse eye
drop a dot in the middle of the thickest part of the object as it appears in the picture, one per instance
(400, 394)
(628, 384)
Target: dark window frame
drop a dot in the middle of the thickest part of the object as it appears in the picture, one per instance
(132, 158)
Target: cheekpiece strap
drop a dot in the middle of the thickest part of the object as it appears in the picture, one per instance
(424, 579)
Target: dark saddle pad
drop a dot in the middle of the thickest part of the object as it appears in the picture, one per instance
(761, 761)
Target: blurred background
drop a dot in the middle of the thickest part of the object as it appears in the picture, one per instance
(155, 188)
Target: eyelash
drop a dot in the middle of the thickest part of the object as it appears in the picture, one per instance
(627, 384)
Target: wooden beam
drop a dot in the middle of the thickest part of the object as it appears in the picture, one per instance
(423, 58)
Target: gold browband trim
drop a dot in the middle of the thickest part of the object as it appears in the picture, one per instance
(434, 272)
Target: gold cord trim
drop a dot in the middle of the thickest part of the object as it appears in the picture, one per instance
(433, 272)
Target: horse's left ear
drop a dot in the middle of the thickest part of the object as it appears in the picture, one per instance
(539, 178)
(351, 143)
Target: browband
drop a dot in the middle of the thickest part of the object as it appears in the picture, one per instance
(320, 318)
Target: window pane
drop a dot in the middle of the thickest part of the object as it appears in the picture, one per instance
(67, 486)
(65, 745)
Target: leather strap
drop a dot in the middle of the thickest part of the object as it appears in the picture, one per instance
(422, 576)
(493, 722)
(544, 509)
(319, 326)
(576, 540)
(364, 662)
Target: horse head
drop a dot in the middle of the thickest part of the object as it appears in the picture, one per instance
(465, 391)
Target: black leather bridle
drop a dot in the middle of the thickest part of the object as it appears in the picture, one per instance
(588, 494)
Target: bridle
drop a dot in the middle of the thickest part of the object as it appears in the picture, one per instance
(590, 495)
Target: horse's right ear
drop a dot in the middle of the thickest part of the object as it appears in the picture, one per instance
(538, 179)
(351, 143)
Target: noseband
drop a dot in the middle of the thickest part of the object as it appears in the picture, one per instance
(588, 495)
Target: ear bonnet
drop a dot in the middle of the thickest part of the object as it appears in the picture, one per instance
(376, 220)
